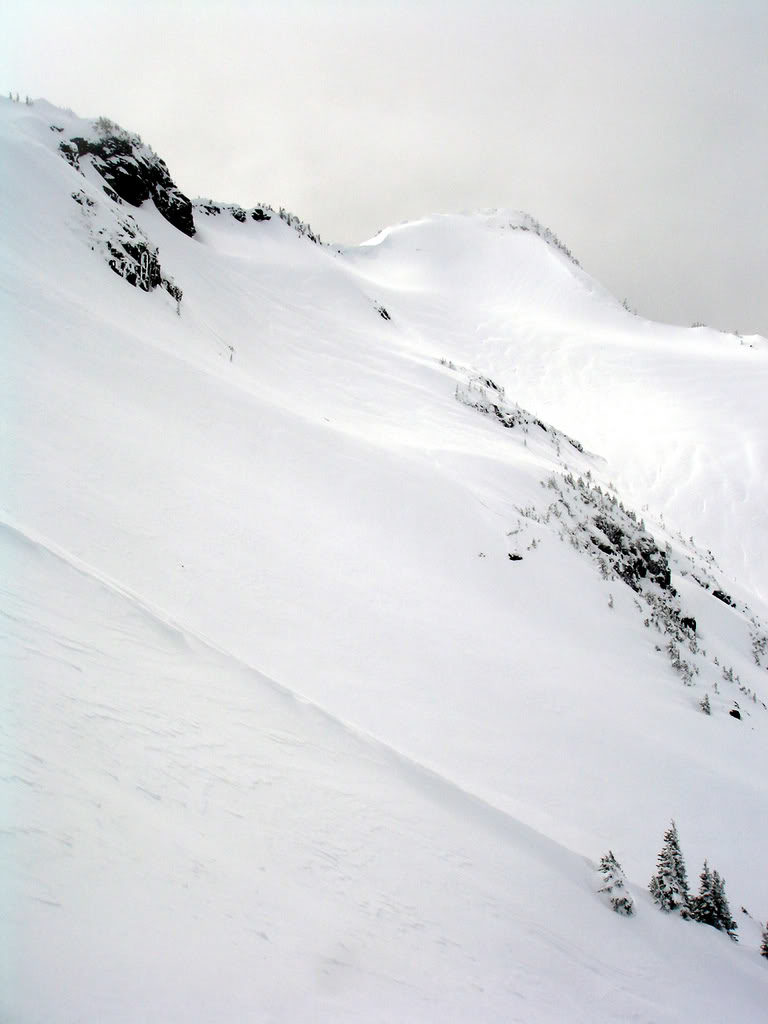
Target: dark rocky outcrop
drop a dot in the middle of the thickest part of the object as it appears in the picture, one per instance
(132, 171)
(487, 396)
(259, 213)
(636, 556)
(211, 209)
(126, 249)
(132, 256)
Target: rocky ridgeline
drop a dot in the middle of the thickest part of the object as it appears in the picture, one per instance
(132, 172)
(528, 223)
(486, 396)
(262, 212)
(593, 520)
(209, 208)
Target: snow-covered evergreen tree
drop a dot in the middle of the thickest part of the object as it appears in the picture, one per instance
(726, 922)
(703, 906)
(615, 885)
(711, 905)
(669, 886)
(764, 943)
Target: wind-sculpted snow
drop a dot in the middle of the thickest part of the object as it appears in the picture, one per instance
(324, 692)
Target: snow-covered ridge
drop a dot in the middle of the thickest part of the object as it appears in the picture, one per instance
(259, 214)
(491, 219)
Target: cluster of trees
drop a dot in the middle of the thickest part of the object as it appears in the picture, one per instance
(298, 225)
(14, 98)
(669, 889)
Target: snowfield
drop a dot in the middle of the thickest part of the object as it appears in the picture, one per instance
(322, 694)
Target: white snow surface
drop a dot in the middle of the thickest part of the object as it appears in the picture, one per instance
(285, 733)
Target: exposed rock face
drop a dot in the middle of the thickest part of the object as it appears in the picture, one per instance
(634, 551)
(212, 209)
(125, 247)
(262, 212)
(132, 171)
(488, 397)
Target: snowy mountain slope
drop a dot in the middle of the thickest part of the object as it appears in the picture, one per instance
(224, 851)
(675, 411)
(282, 470)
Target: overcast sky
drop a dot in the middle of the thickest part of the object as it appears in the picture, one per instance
(636, 129)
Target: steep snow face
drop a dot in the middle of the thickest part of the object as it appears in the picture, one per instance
(199, 845)
(678, 413)
(314, 666)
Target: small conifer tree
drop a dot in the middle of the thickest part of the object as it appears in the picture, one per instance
(703, 906)
(615, 885)
(764, 943)
(725, 921)
(704, 704)
(711, 905)
(669, 886)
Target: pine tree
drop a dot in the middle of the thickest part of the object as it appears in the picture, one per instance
(669, 886)
(764, 943)
(724, 920)
(704, 704)
(711, 905)
(703, 906)
(615, 885)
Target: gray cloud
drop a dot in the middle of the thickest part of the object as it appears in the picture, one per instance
(637, 132)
